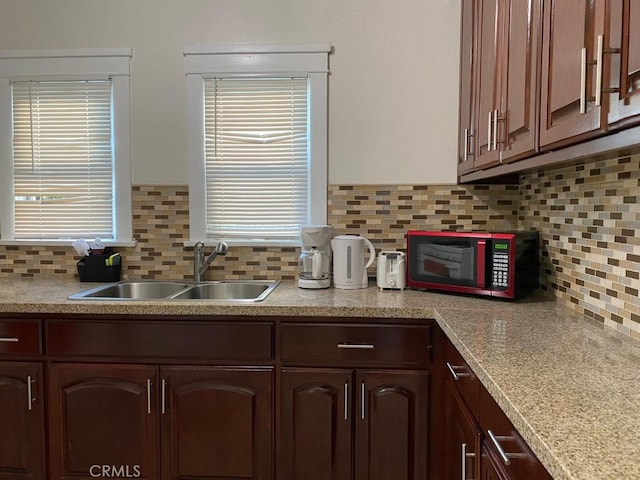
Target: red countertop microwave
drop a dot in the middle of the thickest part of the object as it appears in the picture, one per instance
(496, 264)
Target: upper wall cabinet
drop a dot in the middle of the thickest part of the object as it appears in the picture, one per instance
(624, 102)
(570, 109)
(541, 75)
(499, 71)
(590, 69)
(467, 127)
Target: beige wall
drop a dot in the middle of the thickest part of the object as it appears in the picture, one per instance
(379, 133)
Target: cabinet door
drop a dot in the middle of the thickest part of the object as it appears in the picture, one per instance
(21, 422)
(490, 468)
(102, 421)
(316, 424)
(488, 98)
(391, 425)
(625, 65)
(462, 438)
(216, 423)
(466, 133)
(568, 28)
(518, 114)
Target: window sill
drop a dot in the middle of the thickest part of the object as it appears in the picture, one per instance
(238, 242)
(62, 243)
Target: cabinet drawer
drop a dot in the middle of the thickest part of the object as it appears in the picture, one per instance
(158, 340)
(348, 344)
(463, 379)
(19, 337)
(504, 447)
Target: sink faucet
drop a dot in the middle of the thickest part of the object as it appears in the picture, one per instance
(200, 264)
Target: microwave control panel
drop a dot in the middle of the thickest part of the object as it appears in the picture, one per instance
(500, 261)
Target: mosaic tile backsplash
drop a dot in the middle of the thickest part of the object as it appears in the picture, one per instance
(588, 216)
(589, 220)
(381, 213)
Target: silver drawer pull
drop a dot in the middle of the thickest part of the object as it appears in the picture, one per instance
(346, 401)
(149, 395)
(356, 346)
(496, 439)
(9, 339)
(496, 442)
(31, 399)
(163, 395)
(456, 375)
(465, 456)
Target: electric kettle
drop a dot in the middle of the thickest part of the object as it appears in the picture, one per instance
(349, 264)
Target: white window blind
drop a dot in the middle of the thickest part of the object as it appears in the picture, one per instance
(256, 156)
(63, 161)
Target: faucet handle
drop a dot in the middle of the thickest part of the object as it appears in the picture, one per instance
(222, 248)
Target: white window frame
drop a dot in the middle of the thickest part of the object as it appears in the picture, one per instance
(267, 60)
(73, 64)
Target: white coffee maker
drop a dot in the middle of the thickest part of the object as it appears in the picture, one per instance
(315, 258)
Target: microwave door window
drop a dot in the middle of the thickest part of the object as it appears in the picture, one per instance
(450, 262)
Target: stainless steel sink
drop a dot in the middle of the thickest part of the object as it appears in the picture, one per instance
(254, 291)
(138, 290)
(245, 291)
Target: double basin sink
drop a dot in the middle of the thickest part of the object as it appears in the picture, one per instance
(244, 291)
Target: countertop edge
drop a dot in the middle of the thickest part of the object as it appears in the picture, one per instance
(553, 465)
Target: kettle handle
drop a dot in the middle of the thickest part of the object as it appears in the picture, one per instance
(372, 253)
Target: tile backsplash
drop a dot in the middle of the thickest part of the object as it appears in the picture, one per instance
(382, 213)
(588, 216)
(589, 219)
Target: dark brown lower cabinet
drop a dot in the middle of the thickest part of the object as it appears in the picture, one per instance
(481, 442)
(22, 442)
(216, 423)
(462, 438)
(316, 424)
(103, 419)
(114, 420)
(337, 423)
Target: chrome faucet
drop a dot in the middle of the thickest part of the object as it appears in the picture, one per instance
(200, 264)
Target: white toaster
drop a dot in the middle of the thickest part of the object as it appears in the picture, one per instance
(391, 273)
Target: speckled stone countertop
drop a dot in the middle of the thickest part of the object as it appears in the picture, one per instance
(569, 385)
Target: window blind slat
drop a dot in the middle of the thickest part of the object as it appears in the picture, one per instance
(256, 156)
(63, 159)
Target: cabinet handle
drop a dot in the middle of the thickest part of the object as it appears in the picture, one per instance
(346, 400)
(463, 459)
(163, 396)
(362, 401)
(149, 395)
(9, 339)
(495, 129)
(497, 119)
(496, 441)
(601, 52)
(599, 58)
(583, 81)
(456, 376)
(356, 346)
(31, 399)
(489, 123)
(583, 78)
(466, 144)
(467, 153)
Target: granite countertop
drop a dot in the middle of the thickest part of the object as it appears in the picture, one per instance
(570, 385)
